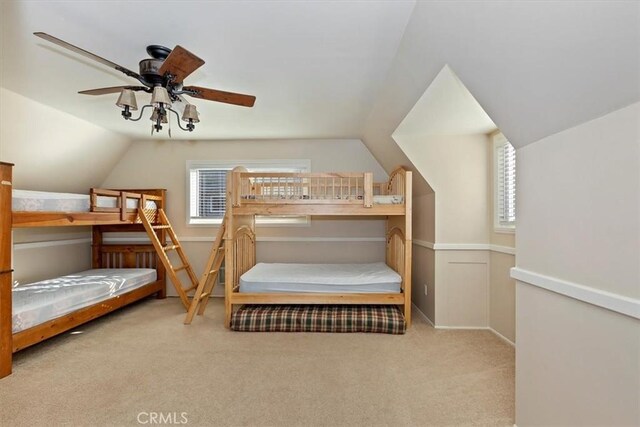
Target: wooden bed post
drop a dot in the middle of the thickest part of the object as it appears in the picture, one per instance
(233, 223)
(228, 249)
(6, 339)
(96, 247)
(408, 245)
(403, 223)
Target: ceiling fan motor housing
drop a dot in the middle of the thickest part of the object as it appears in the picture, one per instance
(149, 69)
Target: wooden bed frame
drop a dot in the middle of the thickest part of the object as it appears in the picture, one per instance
(332, 194)
(102, 220)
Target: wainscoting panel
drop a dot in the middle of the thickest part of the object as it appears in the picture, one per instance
(462, 288)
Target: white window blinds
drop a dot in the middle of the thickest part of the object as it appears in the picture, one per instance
(208, 188)
(505, 167)
(207, 183)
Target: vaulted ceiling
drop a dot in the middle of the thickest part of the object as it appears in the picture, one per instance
(326, 69)
(536, 67)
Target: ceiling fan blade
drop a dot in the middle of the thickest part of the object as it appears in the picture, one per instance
(107, 90)
(87, 54)
(180, 63)
(220, 96)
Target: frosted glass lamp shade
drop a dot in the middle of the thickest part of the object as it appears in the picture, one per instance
(190, 113)
(160, 95)
(127, 99)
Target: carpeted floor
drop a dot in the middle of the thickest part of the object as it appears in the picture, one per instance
(141, 365)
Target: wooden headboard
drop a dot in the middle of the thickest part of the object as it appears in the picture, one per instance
(244, 250)
(395, 252)
(126, 256)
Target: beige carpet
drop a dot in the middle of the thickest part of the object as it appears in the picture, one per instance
(141, 360)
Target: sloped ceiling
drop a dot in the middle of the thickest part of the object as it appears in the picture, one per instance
(315, 66)
(327, 69)
(536, 68)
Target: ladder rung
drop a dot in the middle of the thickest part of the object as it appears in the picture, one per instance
(212, 271)
(204, 295)
(221, 248)
(191, 288)
(182, 267)
(170, 247)
(158, 227)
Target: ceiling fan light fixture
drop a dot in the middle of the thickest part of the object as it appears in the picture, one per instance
(160, 96)
(190, 114)
(165, 67)
(126, 99)
(154, 117)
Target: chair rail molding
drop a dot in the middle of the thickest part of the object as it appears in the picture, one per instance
(609, 300)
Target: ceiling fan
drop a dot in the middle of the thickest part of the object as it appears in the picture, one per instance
(163, 76)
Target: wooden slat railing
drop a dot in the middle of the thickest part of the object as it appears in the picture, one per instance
(121, 198)
(255, 188)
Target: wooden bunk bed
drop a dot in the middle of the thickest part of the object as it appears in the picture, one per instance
(121, 215)
(328, 194)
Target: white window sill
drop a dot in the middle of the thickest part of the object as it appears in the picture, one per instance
(505, 230)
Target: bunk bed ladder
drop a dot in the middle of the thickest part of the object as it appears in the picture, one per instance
(209, 276)
(162, 251)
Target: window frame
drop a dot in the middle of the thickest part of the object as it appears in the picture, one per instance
(499, 141)
(260, 165)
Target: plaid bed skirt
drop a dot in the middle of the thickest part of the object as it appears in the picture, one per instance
(383, 319)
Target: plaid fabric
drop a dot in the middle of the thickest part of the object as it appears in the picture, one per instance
(383, 319)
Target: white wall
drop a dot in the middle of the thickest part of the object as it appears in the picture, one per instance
(502, 288)
(423, 262)
(462, 288)
(53, 151)
(579, 222)
(456, 168)
(153, 164)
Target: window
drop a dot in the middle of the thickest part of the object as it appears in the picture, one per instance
(207, 183)
(504, 184)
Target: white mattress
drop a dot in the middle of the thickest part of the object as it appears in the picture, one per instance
(36, 303)
(41, 201)
(320, 278)
(392, 199)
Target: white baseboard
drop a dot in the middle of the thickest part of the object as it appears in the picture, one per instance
(478, 328)
(469, 328)
(421, 314)
(502, 337)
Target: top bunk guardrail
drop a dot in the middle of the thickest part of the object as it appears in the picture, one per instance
(125, 202)
(336, 189)
(99, 207)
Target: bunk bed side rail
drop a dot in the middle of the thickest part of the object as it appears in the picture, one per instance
(302, 188)
(120, 199)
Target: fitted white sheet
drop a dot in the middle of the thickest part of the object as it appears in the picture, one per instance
(320, 278)
(39, 302)
(42, 201)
